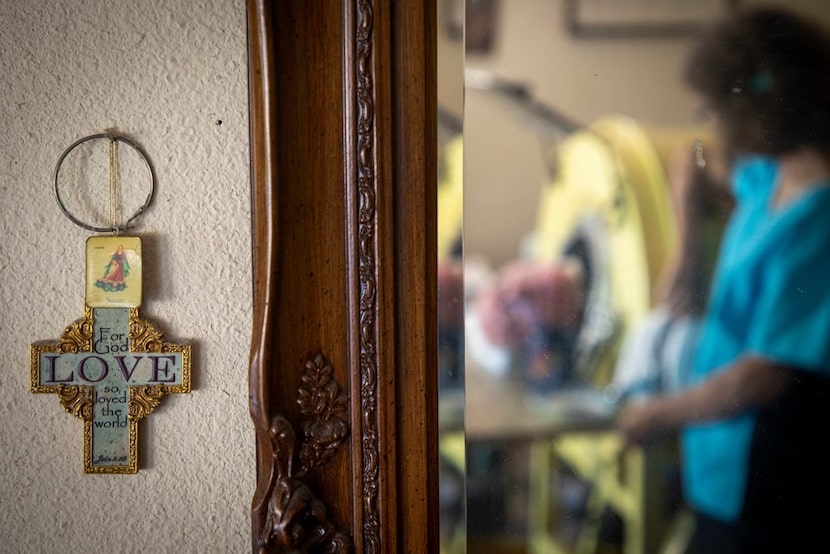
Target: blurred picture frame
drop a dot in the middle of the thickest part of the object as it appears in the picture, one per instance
(473, 21)
(642, 18)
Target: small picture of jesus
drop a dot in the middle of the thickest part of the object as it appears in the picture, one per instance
(113, 272)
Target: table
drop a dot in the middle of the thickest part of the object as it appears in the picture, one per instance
(573, 427)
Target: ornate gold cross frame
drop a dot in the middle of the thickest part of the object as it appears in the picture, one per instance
(110, 369)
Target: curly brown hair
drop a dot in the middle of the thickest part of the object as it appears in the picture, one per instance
(765, 74)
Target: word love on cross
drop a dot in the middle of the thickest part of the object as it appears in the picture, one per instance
(111, 369)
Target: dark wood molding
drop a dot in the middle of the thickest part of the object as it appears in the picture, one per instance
(343, 169)
(361, 192)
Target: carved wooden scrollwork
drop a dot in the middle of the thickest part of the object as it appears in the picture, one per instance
(344, 254)
(296, 520)
(323, 406)
(367, 270)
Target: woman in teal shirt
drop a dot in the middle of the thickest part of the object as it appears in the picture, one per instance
(765, 78)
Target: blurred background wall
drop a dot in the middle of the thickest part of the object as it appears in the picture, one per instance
(583, 77)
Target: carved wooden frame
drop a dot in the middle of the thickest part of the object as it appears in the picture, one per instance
(343, 170)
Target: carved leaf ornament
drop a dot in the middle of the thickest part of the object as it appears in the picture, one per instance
(297, 521)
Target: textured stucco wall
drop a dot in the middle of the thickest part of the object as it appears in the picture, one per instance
(165, 72)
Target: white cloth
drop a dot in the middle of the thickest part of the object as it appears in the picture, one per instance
(656, 356)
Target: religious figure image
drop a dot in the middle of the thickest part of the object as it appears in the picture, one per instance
(115, 273)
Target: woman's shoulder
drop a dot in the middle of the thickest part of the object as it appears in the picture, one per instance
(802, 234)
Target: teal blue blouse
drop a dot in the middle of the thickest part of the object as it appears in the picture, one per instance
(770, 298)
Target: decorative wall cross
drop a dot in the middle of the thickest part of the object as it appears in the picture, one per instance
(110, 369)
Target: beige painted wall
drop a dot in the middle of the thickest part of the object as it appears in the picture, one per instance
(583, 78)
(165, 72)
(586, 78)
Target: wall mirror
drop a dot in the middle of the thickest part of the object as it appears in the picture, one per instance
(563, 120)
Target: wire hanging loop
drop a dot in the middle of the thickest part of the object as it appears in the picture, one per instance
(114, 227)
(113, 182)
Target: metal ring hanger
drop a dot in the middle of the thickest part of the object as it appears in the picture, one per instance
(112, 138)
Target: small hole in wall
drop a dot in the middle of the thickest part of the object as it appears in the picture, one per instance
(219, 122)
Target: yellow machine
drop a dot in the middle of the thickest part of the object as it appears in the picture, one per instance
(610, 207)
(450, 196)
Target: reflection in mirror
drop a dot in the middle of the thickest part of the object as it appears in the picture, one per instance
(588, 255)
(450, 276)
